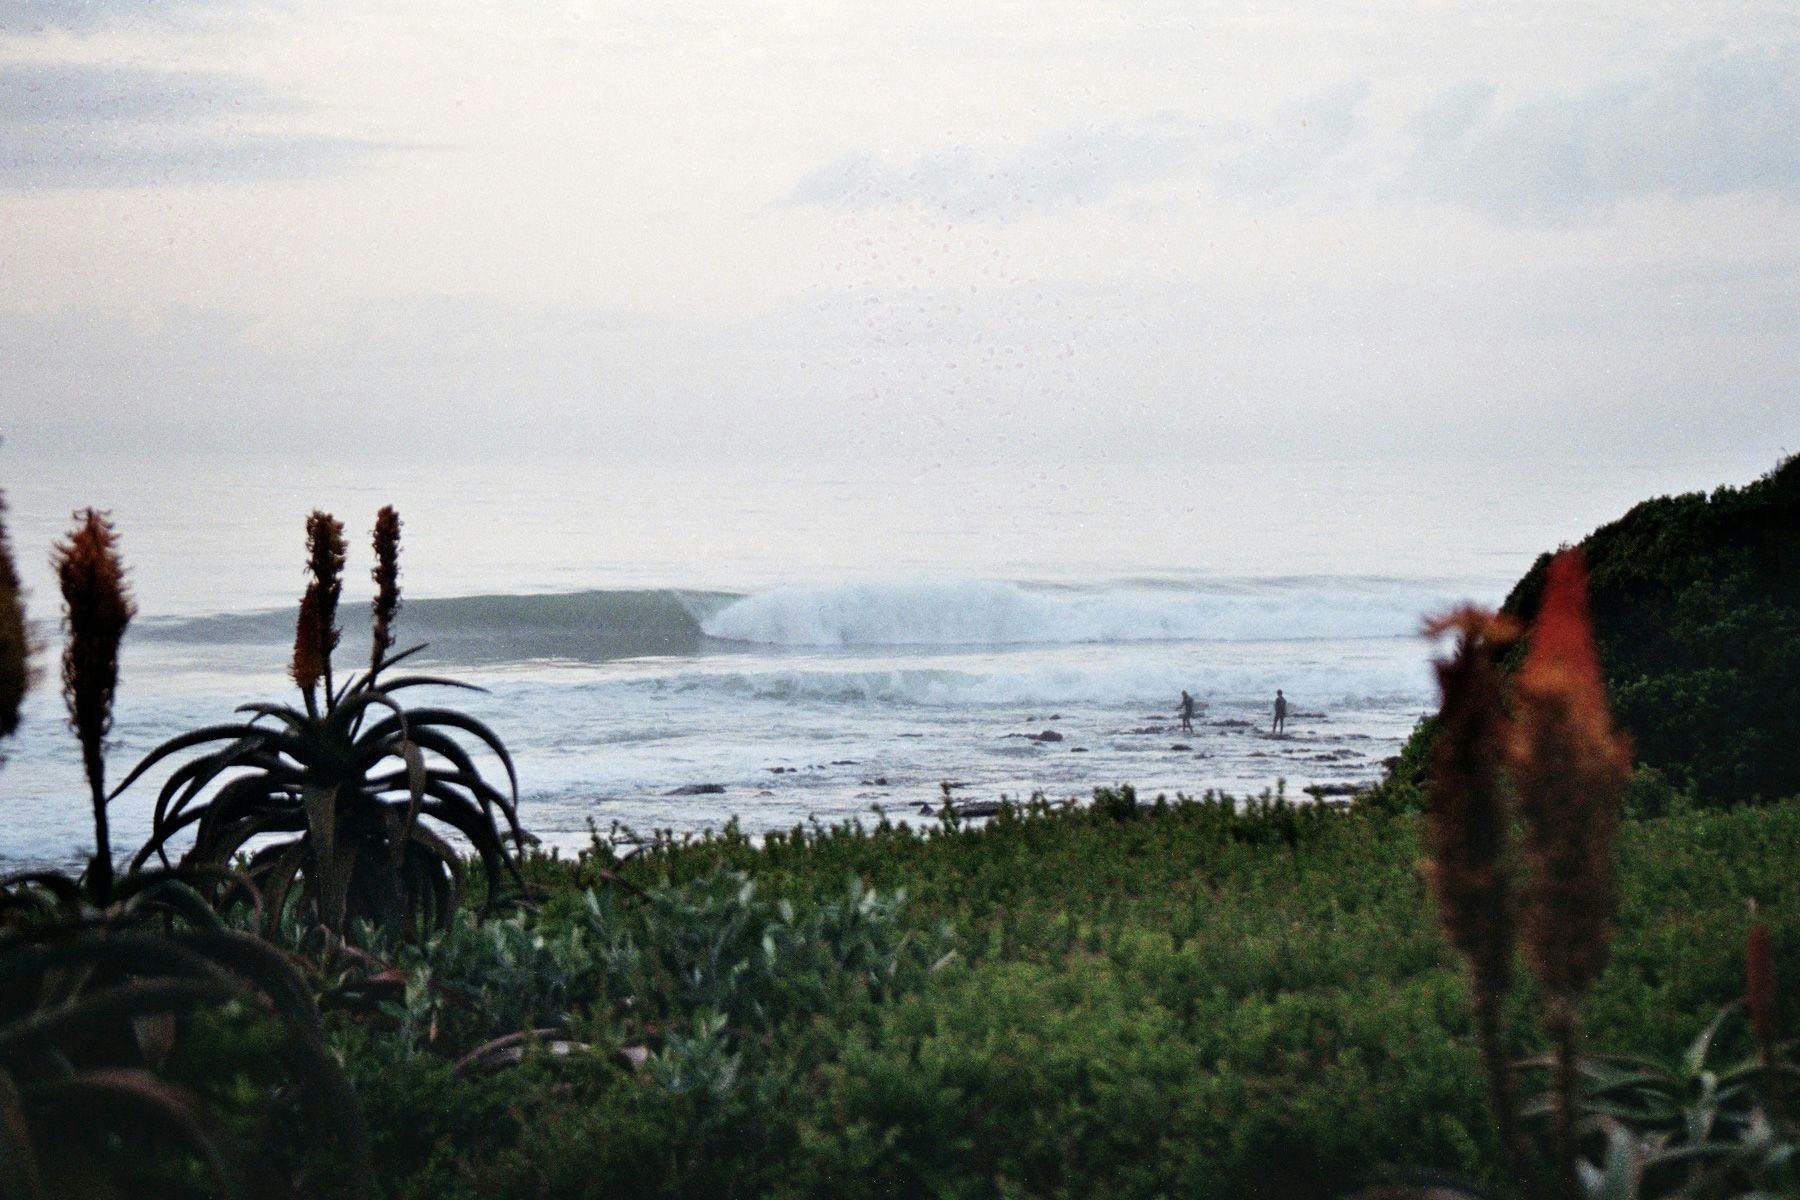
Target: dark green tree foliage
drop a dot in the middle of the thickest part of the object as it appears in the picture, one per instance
(1696, 607)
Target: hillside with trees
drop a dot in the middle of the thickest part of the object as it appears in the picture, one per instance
(1696, 606)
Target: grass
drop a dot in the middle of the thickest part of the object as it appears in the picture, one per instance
(1120, 1001)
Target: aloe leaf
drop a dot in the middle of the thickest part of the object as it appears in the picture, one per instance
(392, 659)
(190, 778)
(17, 1157)
(186, 741)
(1695, 1057)
(421, 718)
(292, 717)
(108, 1006)
(139, 1098)
(347, 713)
(412, 681)
(416, 779)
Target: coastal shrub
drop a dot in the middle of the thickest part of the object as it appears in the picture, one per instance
(1180, 1004)
(713, 959)
(1696, 607)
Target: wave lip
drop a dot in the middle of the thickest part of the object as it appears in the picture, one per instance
(987, 613)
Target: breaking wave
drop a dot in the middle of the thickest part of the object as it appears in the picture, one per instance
(597, 626)
(980, 613)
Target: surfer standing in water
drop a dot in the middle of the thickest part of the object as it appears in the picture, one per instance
(1280, 711)
(1187, 712)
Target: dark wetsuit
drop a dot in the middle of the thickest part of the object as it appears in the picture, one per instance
(1280, 712)
(1187, 713)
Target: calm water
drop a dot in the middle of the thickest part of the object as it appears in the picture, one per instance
(819, 641)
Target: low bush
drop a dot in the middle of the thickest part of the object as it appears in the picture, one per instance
(1208, 999)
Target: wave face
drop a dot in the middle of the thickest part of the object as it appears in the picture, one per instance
(584, 626)
(979, 613)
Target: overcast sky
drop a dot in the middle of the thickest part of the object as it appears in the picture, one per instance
(959, 229)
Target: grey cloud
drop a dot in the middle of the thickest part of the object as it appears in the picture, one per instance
(1707, 122)
(86, 16)
(1076, 166)
(67, 124)
(1293, 149)
(1087, 164)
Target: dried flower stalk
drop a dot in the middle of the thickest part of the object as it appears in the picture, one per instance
(1466, 834)
(316, 632)
(1759, 989)
(15, 643)
(97, 609)
(1570, 767)
(387, 583)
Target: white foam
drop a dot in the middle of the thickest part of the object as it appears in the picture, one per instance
(986, 613)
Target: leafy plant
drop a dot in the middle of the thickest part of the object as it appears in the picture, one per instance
(92, 1005)
(332, 838)
(1685, 1125)
(710, 946)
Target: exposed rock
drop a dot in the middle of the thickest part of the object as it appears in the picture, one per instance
(972, 808)
(698, 789)
(1048, 735)
(1322, 790)
(1181, 746)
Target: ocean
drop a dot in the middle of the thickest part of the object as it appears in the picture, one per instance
(820, 642)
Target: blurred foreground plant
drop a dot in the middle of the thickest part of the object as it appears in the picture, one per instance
(100, 977)
(95, 1007)
(1545, 752)
(1686, 1126)
(15, 642)
(97, 608)
(332, 838)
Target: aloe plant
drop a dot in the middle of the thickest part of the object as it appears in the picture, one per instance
(1685, 1126)
(346, 801)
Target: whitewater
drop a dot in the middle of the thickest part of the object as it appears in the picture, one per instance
(816, 646)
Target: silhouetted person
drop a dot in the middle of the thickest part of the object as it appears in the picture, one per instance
(1187, 712)
(1280, 711)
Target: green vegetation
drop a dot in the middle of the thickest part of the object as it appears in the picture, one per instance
(1696, 605)
(1171, 999)
(1203, 998)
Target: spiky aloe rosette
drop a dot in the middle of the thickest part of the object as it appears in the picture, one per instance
(345, 804)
